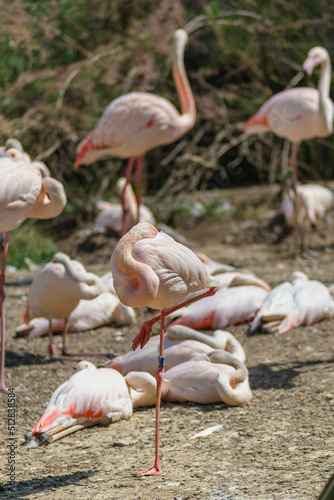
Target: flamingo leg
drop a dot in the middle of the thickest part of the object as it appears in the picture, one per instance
(144, 334)
(127, 176)
(156, 469)
(58, 433)
(3, 388)
(298, 232)
(51, 347)
(138, 184)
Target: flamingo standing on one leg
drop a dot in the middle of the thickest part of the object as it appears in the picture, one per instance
(92, 396)
(137, 122)
(301, 113)
(151, 269)
(26, 190)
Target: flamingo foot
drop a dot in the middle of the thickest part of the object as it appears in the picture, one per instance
(143, 336)
(153, 471)
(3, 389)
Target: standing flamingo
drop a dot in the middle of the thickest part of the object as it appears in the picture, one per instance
(57, 290)
(26, 190)
(151, 269)
(137, 122)
(299, 114)
(92, 396)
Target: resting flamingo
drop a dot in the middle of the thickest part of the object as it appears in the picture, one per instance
(293, 303)
(57, 290)
(229, 306)
(26, 190)
(313, 201)
(151, 269)
(180, 344)
(299, 114)
(221, 377)
(111, 214)
(137, 122)
(89, 314)
(92, 396)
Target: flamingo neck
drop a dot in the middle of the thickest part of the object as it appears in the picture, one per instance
(51, 200)
(135, 283)
(185, 94)
(324, 87)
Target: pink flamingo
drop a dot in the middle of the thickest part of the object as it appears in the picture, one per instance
(181, 344)
(92, 396)
(137, 122)
(27, 190)
(313, 201)
(57, 290)
(299, 114)
(151, 269)
(111, 214)
(291, 304)
(221, 377)
(229, 306)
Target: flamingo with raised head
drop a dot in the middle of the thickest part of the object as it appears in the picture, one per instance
(57, 290)
(299, 114)
(92, 396)
(149, 268)
(26, 190)
(137, 122)
(180, 344)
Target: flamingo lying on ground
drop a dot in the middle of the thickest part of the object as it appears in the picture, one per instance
(92, 396)
(138, 122)
(111, 214)
(56, 291)
(180, 344)
(291, 304)
(222, 377)
(299, 114)
(89, 314)
(313, 201)
(229, 306)
(26, 190)
(151, 269)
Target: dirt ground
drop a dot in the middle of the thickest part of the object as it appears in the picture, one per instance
(279, 446)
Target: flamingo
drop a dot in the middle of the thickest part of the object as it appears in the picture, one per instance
(221, 377)
(229, 306)
(92, 396)
(137, 122)
(313, 201)
(299, 114)
(56, 291)
(27, 190)
(89, 314)
(110, 216)
(180, 344)
(291, 304)
(149, 268)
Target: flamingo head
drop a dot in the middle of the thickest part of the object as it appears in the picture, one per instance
(316, 56)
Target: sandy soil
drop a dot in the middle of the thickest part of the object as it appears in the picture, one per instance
(279, 446)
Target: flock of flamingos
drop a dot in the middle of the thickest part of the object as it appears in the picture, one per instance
(150, 269)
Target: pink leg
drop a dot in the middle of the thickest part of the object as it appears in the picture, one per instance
(2, 312)
(138, 184)
(127, 175)
(156, 469)
(298, 232)
(51, 347)
(145, 330)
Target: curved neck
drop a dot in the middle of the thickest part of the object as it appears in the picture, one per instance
(324, 87)
(186, 97)
(135, 283)
(50, 201)
(142, 388)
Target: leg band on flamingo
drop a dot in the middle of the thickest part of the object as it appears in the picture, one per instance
(161, 361)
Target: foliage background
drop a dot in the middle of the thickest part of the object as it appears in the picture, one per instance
(63, 61)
